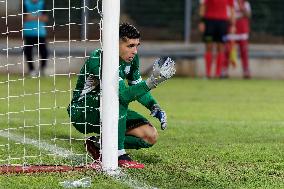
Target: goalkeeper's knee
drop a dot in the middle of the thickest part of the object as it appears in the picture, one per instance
(151, 139)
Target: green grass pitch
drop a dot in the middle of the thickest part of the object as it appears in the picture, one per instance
(221, 134)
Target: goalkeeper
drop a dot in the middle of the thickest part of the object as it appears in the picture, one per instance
(134, 130)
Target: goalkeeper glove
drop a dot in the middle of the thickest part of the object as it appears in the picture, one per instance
(157, 112)
(163, 69)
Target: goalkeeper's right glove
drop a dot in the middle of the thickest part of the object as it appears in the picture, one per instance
(157, 112)
(163, 69)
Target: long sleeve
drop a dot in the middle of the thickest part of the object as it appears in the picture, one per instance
(128, 94)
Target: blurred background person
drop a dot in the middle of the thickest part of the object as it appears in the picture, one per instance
(240, 37)
(34, 33)
(215, 20)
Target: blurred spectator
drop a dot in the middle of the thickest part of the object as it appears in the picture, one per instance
(214, 26)
(34, 33)
(242, 13)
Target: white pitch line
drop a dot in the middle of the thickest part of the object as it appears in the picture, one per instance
(122, 177)
(62, 152)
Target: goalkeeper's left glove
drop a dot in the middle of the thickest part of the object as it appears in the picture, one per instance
(160, 114)
(163, 69)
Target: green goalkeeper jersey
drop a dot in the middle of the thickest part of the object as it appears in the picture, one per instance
(88, 83)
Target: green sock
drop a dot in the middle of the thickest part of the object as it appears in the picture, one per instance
(132, 142)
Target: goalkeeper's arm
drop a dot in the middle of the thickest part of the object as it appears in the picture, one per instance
(147, 100)
(163, 69)
(128, 94)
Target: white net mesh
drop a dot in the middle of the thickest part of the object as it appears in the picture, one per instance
(34, 124)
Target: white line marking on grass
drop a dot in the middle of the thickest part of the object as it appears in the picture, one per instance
(58, 151)
(123, 177)
(62, 152)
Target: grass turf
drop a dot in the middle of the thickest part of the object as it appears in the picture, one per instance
(221, 134)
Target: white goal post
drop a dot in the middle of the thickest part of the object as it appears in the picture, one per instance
(111, 12)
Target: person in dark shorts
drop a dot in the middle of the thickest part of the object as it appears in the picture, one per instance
(215, 20)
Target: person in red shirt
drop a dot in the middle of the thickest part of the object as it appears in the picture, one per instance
(215, 19)
(243, 13)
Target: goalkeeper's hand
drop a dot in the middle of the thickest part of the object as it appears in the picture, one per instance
(163, 69)
(157, 112)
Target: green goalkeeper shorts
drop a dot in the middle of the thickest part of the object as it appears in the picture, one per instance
(86, 119)
(134, 120)
(85, 116)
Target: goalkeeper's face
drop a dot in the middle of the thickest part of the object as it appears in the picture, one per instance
(128, 49)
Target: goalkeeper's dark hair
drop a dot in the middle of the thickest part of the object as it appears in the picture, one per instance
(129, 31)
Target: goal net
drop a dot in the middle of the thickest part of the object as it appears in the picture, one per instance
(36, 133)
